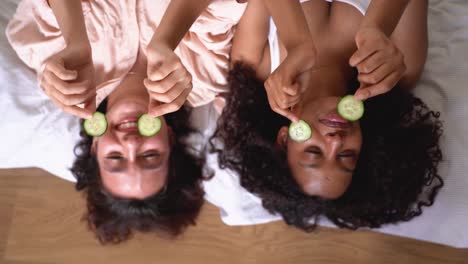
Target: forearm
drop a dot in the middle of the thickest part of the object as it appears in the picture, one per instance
(290, 22)
(177, 20)
(251, 34)
(384, 14)
(69, 15)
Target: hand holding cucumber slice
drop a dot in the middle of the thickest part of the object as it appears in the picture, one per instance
(350, 108)
(300, 131)
(149, 126)
(96, 125)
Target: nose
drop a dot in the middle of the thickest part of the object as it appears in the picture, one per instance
(337, 133)
(337, 136)
(131, 142)
(131, 139)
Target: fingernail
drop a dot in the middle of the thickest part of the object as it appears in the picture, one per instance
(360, 96)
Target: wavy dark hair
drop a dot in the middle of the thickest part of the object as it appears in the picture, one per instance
(395, 177)
(167, 212)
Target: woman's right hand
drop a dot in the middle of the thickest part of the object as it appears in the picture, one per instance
(289, 81)
(68, 79)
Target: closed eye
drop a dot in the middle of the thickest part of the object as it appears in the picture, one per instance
(114, 157)
(347, 154)
(314, 150)
(151, 155)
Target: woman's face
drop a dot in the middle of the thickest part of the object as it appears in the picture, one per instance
(323, 165)
(131, 165)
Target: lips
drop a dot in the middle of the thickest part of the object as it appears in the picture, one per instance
(335, 124)
(129, 124)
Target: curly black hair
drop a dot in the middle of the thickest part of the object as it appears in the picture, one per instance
(395, 177)
(167, 213)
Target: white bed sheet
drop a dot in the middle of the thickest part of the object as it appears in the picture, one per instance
(35, 133)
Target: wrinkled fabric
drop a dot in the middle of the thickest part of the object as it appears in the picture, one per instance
(116, 30)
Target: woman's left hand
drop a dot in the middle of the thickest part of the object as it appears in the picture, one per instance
(168, 83)
(379, 61)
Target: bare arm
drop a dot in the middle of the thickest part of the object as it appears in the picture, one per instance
(251, 34)
(290, 22)
(177, 20)
(290, 80)
(380, 63)
(384, 14)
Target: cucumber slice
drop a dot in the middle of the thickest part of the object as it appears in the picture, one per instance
(300, 131)
(148, 126)
(350, 108)
(96, 125)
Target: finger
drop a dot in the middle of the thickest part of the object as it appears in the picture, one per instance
(160, 71)
(90, 105)
(378, 75)
(64, 87)
(73, 99)
(74, 110)
(292, 89)
(361, 54)
(274, 106)
(382, 87)
(160, 110)
(373, 62)
(285, 101)
(78, 111)
(164, 85)
(59, 70)
(171, 95)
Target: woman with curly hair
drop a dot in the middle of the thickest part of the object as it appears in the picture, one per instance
(119, 56)
(380, 170)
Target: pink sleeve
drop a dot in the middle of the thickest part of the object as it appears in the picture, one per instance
(34, 34)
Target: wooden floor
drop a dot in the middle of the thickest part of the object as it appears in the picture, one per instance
(40, 224)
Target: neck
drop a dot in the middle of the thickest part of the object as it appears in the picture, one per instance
(326, 81)
(132, 85)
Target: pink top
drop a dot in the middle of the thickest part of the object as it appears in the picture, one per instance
(116, 30)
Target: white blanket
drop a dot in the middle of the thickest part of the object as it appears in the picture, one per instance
(35, 133)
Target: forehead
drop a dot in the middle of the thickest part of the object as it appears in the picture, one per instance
(324, 181)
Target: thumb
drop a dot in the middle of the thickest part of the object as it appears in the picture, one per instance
(362, 93)
(90, 104)
(153, 108)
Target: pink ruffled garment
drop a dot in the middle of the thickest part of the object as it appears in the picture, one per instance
(116, 30)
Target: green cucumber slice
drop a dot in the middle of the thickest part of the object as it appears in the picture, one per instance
(149, 126)
(300, 131)
(350, 108)
(96, 125)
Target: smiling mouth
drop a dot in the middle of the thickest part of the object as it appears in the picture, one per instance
(335, 124)
(127, 126)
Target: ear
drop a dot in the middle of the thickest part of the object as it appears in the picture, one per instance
(282, 137)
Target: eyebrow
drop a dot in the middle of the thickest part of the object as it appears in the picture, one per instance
(121, 168)
(314, 166)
